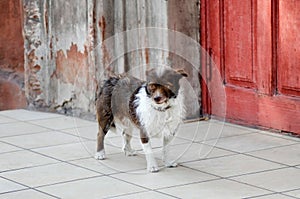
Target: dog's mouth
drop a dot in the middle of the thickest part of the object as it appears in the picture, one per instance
(161, 105)
(161, 108)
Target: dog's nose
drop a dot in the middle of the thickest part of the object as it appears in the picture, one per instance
(157, 99)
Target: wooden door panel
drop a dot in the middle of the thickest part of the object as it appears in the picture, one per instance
(238, 48)
(289, 48)
(255, 46)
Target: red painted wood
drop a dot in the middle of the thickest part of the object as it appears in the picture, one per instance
(289, 48)
(238, 48)
(255, 47)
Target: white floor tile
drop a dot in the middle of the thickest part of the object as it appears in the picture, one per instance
(26, 194)
(295, 193)
(95, 165)
(22, 159)
(6, 186)
(204, 130)
(214, 189)
(67, 152)
(192, 152)
(48, 174)
(4, 120)
(25, 115)
(4, 148)
(89, 132)
(289, 155)
(41, 139)
(249, 142)
(63, 123)
(280, 135)
(93, 188)
(232, 165)
(145, 195)
(165, 178)
(120, 163)
(272, 196)
(19, 128)
(278, 180)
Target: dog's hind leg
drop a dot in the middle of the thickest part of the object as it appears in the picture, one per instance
(103, 127)
(100, 154)
(151, 162)
(127, 135)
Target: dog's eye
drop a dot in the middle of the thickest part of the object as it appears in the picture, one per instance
(173, 95)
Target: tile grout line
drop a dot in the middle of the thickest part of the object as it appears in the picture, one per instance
(262, 195)
(61, 129)
(68, 181)
(50, 157)
(256, 172)
(274, 147)
(280, 163)
(231, 178)
(186, 184)
(24, 185)
(132, 194)
(248, 152)
(40, 147)
(167, 194)
(120, 195)
(36, 112)
(210, 139)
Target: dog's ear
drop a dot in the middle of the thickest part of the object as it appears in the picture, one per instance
(182, 72)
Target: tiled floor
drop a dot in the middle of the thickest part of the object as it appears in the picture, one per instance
(45, 155)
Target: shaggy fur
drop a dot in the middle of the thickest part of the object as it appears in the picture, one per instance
(154, 108)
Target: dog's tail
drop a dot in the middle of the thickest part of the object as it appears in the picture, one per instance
(103, 103)
(108, 86)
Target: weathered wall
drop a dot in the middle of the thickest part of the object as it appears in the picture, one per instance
(59, 68)
(12, 93)
(70, 46)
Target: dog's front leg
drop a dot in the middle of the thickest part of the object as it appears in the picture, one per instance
(168, 162)
(151, 162)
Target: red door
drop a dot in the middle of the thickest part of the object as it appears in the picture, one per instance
(256, 46)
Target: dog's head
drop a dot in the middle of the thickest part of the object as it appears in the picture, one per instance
(163, 85)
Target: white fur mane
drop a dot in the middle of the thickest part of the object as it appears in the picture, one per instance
(158, 123)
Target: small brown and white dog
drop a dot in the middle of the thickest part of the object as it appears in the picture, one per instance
(153, 107)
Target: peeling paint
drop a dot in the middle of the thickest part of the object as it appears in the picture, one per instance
(72, 66)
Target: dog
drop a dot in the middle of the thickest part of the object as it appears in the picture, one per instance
(153, 107)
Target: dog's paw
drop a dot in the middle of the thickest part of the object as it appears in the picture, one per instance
(100, 155)
(171, 164)
(153, 169)
(130, 152)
